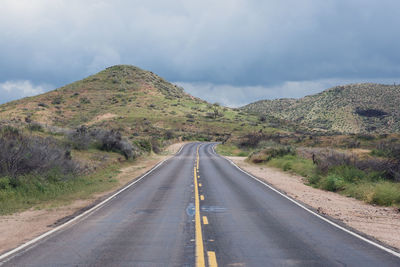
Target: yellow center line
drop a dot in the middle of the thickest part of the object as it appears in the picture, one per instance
(212, 259)
(199, 185)
(200, 260)
(201, 197)
(205, 220)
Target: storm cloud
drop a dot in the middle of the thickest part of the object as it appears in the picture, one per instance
(243, 50)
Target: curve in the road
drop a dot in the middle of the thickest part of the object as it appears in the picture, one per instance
(197, 208)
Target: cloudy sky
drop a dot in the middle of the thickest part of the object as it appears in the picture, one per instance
(228, 51)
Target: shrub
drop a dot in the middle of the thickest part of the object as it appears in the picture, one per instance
(333, 183)
(84, 100)
(251, 140)
(155, 145)
(43, 105)
(5, 183)
(81, 139)
(387, 149)
(386, 194)
(144, 145)
(349, 173)
(113, 141)
(314, 179)
(57, 100)
(301, 166)
(35, 126)
(21, 154)
(169, 135)
(262, 118)
(270, 153)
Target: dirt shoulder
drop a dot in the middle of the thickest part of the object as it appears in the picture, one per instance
(381, 223)
(21, 227)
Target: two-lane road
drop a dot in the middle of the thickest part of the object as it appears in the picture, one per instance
(237, 222)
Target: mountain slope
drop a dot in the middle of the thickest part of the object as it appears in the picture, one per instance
(354, 108)
(132, 100)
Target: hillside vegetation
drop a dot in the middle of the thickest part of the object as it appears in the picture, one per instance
(71, 142)
(136, 102)
(354, 108)
(363, 166)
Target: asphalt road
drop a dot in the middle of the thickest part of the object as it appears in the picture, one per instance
(240, 222)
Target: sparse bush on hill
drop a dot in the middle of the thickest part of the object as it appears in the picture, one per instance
(35, 126)
(155, 145)
(143, 144)
(43, 105)
(169, 135)
(57, 100)
(84, 100)
(82, 138)
(21, 154)
(113, 141)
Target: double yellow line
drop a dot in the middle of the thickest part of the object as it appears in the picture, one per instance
(200, 257)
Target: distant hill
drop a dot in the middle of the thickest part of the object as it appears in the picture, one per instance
(132, 100)
(354, 108)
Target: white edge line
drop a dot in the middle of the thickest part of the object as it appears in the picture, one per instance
(33, 241)
(394, 253)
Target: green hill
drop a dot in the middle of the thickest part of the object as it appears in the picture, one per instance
(134, 101)
(354, 108)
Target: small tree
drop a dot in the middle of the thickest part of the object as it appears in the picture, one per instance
(215, 108)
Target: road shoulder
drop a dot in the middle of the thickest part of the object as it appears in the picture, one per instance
(19, 228)
(381, 223)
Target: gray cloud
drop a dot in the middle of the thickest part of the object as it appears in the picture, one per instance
(12, 90)
(236, 96)
(244, 44)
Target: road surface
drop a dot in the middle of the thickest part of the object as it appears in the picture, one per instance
(199, 209)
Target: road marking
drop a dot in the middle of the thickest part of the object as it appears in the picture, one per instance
(35, 240)
(198, 157)
(205, 220)
(394, 253)
(200, 262)
(201, 197)
(212, 259)
(199, 185)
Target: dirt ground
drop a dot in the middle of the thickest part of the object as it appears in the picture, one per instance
(381, 223)
(21, 227)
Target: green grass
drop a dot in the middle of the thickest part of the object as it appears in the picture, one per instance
(303, 167)
(346, 180)
(231, 150)
(52, 189)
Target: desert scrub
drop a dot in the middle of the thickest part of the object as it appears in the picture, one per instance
(22, 154)
(294, 163)
(52, 188)
(366, 185)
(83, 138)
(386, 194)
(269, 153)
(231, 150)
